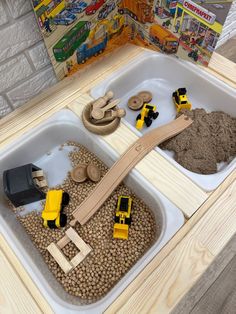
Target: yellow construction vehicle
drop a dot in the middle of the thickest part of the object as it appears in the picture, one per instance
(52, 214)
(111, 27)
(122, 218)
(147, 114)
(180, 99)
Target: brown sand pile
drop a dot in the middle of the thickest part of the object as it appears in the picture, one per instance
(110, 258)
(211, 139)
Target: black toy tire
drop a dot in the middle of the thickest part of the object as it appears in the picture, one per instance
(195, 58)
(138, 117)
(52, 224)
(65, 199)
(155, 115)
(63, 220)
(117, 219)
(150, 113)
(128, 221)
(148, 122)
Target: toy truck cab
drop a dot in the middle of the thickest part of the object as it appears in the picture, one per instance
(52, 214)
(180, 99)
(147, 114)
(122, 217)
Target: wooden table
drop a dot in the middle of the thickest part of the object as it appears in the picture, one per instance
(210, 217)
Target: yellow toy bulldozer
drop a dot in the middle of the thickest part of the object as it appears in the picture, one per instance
(52, 214)
(147, 114)
(122, 218)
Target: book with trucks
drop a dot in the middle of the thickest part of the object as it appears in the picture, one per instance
(77, 33)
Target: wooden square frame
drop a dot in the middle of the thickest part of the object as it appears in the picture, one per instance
(55, 250)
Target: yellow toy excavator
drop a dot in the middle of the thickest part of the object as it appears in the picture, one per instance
(111, 27)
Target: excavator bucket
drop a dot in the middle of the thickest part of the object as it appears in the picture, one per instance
(120, 231)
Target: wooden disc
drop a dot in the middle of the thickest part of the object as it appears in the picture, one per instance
(93, 173)
(146, 96)
(135, 103)
(79, 173)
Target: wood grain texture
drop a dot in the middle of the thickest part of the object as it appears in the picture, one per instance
(14, 296)
(154, 167)
(221, 296)
(18, 293)
(161, 291)
(224, 67)
(193, 233)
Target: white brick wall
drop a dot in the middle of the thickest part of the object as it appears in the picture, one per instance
(25, 68)
(229, 29)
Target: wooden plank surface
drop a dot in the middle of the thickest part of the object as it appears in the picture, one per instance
(154, 167)
(18, 293)
(15, 298)
(163, 286)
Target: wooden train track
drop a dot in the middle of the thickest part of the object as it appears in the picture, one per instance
(122, 167)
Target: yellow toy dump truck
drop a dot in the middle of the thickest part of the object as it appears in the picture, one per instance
(180, 99)
(147, 114)
(122, 218)
(52, 214)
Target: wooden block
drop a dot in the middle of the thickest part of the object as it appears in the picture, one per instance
(78, 241)
(37, 174)
(63, 242)
(59, 257)
(77, 259)
(41, 184)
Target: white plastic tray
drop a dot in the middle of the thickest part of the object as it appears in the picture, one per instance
(33, 147)
(162, 75)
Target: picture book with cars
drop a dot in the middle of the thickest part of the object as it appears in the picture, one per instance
(78, 32)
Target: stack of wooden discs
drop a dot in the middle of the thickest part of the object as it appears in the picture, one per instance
(82, 172)
(136, 102)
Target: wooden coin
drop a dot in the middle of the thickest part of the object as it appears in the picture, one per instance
(93, 173)
(79, 173)
(135, 103)
(146, 96)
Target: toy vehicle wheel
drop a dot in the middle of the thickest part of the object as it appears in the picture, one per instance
(128, 220)
(148, 122)
(195, 58)
(138, 117)
(155, 115)
(117, 219)
(65, 199)
(52, 224)
(63, 220)
(174, 94)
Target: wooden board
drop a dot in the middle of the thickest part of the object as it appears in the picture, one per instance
(18, 293)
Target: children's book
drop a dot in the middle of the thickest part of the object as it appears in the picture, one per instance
(78, 32)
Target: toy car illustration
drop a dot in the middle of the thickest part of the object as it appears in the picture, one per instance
(52, 214)
(180, 99)
(122, 218)
(64, 18)
(106, 9)
(94, 6)
(76, 7)
(147, 114)
(194, 55)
